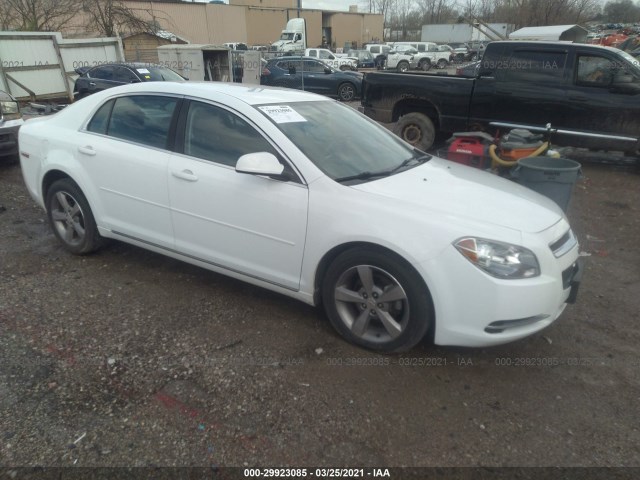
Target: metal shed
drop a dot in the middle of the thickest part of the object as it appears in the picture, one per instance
(566, 33)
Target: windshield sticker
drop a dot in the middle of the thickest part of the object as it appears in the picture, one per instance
(148, 77)
(282, 114)
(143, 70)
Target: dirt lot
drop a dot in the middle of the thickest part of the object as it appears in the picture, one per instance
(128, 358)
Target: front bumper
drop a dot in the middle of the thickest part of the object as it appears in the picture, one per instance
(474, 309)
(9, 137)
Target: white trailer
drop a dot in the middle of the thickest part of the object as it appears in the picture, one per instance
(461, 32)
(41, 65)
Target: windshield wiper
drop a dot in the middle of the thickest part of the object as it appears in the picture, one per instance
(362, 176)
(384, 173)
(420, 159)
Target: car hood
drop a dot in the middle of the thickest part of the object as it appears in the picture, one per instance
(464, 192)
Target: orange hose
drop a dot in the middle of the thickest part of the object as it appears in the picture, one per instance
(506, 163)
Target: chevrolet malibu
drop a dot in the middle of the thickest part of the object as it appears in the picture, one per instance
(287, 191)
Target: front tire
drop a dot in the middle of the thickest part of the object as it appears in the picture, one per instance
(402, 67)
(376, 300)
(416, 129)
(442, 63)
(425, 65)
(346, 92)
(71, 218)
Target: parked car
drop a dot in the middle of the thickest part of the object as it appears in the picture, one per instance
(401, 59)
(286, 190)
(365, 58)
(469, 70)
(379, 53)
(341, 62)
(429, 55)
(306, 73)
(10, 122)
(577, 88)
(461, 52)
(111, 75)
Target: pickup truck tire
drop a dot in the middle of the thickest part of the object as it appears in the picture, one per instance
(346, 92)
(402, 66)
(416, 129)
(375, 299)
(425, 65)
(442, 63)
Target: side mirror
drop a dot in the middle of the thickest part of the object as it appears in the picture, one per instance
(261, 163)
(327, 70)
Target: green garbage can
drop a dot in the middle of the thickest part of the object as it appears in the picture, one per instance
(552, 177)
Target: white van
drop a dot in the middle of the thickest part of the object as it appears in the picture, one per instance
(419, 46)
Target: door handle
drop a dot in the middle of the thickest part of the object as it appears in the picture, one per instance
(185, 175)
(88, 150)
(92, 84)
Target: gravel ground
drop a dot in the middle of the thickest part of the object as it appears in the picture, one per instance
(128, 358)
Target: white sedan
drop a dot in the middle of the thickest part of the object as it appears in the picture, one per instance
(305, 196)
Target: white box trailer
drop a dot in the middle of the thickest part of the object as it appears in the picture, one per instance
(41, 65)
(216, 63)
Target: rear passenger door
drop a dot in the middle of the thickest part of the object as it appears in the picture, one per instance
(123, 149)
(525, 86)
(244, 223)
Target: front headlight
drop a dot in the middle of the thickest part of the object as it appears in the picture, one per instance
(501, 260)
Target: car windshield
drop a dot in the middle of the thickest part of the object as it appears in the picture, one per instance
(340, 141)
(159, 74)
(286, 36)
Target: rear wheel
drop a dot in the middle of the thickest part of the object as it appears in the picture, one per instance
(346, 92)
(71, 218)
(425, 65)
(376, 300)
(442, 63)
(416, 129)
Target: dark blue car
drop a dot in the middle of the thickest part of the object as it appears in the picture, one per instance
(311, 75)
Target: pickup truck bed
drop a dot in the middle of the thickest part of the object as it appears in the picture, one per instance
(590, 93)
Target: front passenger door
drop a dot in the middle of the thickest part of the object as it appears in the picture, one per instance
(245, 223)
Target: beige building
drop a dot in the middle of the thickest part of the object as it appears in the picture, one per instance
(143, 47)
(254, 22)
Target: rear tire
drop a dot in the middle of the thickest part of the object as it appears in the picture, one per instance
(71, 218)
(425, 65)
(375, 299)
(442, 63)
(416, 129)
(402, 67)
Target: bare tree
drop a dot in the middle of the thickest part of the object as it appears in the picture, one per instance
(38, 15)
(110, 17)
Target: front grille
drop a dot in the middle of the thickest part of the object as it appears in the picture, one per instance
(564, 244)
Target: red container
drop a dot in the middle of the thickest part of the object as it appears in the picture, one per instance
(471, 151)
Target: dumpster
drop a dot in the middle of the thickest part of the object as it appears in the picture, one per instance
(552, 177)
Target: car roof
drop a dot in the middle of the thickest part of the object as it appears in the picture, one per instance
(250, 94)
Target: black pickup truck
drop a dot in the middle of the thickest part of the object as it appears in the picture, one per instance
(589, 95)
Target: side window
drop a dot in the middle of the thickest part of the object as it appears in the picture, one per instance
(142, 119)
(375, 49)
(422, 47)
(220, 136)
(314, 66)
(326, 55)
(313, 53)
(533, 66)
(100, 120)
(102, 73)
(433, 48)
(124, 75)
(595, 71)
